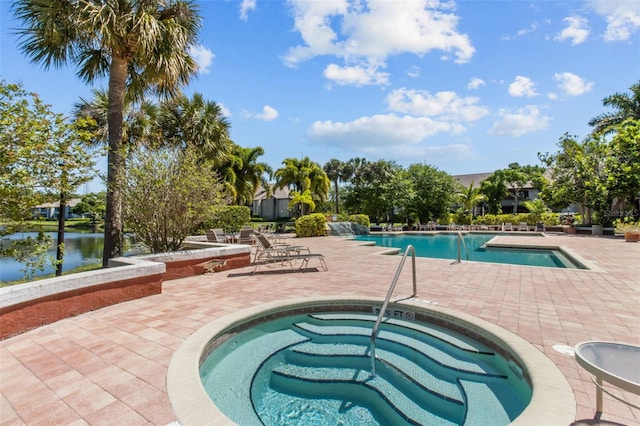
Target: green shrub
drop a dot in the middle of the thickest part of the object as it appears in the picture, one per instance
(311, 225)
(530, 218)
(360, 219)
(229, 218)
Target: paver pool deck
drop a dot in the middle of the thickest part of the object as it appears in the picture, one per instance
(108, 367)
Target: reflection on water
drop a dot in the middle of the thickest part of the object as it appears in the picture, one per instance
(79, 249)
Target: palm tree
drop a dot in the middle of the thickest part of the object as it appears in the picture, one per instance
(142, 46)
(470, 198)
(336, 170)
(302, 199)
(625, 106)
(242, 173)
(303, 175)
(139, 126)
(495, 189)
(199, 123)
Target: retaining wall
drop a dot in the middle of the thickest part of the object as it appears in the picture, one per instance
(31, 305)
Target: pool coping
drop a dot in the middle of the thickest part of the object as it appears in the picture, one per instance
(552, 401)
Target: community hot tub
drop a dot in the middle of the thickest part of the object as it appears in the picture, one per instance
(307, 361)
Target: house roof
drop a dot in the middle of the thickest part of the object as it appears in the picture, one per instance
(476, 178)
(278, 193)
(56, 204)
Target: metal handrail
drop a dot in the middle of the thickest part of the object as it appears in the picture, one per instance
(383, 309)
(461, 243)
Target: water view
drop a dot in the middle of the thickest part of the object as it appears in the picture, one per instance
(80, 249)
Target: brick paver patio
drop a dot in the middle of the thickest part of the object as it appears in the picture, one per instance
(108, 367)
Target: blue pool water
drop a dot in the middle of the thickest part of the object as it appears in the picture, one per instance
(445, 246)
(315, 369)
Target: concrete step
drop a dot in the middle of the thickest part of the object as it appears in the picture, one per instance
(387, 340)
(435, 394)
(442, 334)
(377, 394)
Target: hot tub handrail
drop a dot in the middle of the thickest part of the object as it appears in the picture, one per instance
(383, 309)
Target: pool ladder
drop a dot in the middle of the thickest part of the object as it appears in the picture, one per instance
(383, 309)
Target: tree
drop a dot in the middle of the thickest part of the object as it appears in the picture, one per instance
(40, 153)
(517, 177)
(336, 171)
(302, 199)
(435, 191)
(167, 196)
(93, 205)
(196, 122)
(21, 172)
(625, 107)
(623, 163)
(242, 173)
(69, 166)
(139, 125)
(578, 175)
(470, 198)
(303, 175)
(374, 189)
(495, 189)
(141, 46)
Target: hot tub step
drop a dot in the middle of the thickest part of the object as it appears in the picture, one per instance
(386, 339)
(443, 334)
(396, 369)
(358, 386)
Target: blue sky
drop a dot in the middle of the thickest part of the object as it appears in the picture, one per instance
(467, 86)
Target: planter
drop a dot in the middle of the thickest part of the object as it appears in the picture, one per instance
(597, 229)
(632, 237)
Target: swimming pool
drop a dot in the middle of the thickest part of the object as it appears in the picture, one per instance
(445, 246)
(551, 402)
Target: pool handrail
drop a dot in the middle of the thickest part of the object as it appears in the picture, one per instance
(461, 243)
(383, 309)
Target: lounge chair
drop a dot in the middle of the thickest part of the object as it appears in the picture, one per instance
(215, 236)
(507, 227)
(266, 252)
(246, 236)
(523, 226)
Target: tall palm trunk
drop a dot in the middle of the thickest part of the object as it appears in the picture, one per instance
(115, 158)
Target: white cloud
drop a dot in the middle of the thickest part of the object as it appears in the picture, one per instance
(622, 16)
(368, 32)
(203, 57)
(576, 30)
(268, 114)
(522, 86)
(245, 7)
(533, 27)
(356, 75)
(475, 83)
(446, 106)
(524, 120)
(415, 116)
(390, 136)
(572, 84)
(378, 130)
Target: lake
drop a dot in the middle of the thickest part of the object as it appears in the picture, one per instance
(80, 249)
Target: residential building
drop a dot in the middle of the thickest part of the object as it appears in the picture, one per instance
(273, 207)
(52, 210)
